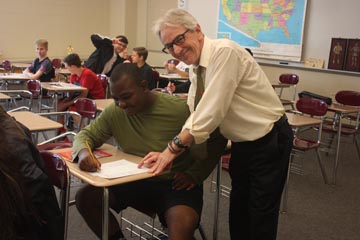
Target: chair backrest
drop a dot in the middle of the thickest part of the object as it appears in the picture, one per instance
(7, 65)
(346, 97)
(289, 78)
(59, 176)
(156, 77)
(312, 106)
(173, 61)
(86, 107)
(56, 62)
(34, 86)
(104, 82)
(56, 169)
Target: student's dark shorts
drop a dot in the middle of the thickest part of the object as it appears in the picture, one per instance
(158, 195)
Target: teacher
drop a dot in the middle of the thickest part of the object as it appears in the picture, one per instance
(230, 91)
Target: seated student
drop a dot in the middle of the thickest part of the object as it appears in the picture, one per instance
(28, 204)
(181, 69)
(141, 120)
(179, 88)
(81, 76)
(106, 56)
(139, 56)
(42, 68)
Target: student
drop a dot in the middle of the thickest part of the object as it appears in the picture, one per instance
(41, 68)
(141, 120)
(28, 204)
(106, 56)
(229, 90)
(83, 77)
(139, 56)
(182, 69)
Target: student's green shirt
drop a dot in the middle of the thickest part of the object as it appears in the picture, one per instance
(144, 132)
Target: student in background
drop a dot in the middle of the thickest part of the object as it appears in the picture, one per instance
(28, 204)
(106, 56)
(139, 56)
(178, 67)
(182, 69)
(83, 77)
(41, 68)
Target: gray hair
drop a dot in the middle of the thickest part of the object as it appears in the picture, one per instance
(175, 17)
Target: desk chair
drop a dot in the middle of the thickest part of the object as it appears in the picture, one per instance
(14, 94)
(314, 108)
(290, 79)
(55, 142)
(105, 83)
(156, 77)
(34, 86)
(56, 62)
(86, 107)
(6, 66)
(60, 177)
(65, 132)
(351, 129)
(148, 230)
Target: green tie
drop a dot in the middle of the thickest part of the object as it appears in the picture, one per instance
(199, 87)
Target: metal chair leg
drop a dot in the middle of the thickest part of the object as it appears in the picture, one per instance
(217, 200)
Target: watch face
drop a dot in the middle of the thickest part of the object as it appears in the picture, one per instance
(178, 142)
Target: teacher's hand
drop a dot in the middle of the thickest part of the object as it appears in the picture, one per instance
(158, 162)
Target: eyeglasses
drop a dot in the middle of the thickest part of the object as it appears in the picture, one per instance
(179, 40)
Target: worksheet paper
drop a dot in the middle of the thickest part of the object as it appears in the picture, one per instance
(119, 168)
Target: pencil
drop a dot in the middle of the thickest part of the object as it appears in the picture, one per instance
(91, 153)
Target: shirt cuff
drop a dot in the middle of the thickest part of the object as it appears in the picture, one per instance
(199, 136)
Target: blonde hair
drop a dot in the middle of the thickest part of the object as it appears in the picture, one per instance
(42, 42)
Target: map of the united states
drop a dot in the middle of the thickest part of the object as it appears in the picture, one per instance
(254, 16)
(270, 28)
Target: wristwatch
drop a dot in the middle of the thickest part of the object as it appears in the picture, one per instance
(178, 143)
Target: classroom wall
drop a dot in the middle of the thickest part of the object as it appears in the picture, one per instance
(62, 23)
(72, 21)
(325, 19)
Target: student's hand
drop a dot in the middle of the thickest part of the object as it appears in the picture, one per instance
(159, 162)
(183, 181)
(171, 67)
(171, 87)
(86, 163)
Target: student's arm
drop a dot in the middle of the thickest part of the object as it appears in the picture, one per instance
(173, 69)
(97, 132)
(99, 40)
(33, 76)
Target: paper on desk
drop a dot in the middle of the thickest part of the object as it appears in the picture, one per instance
(119, 168)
